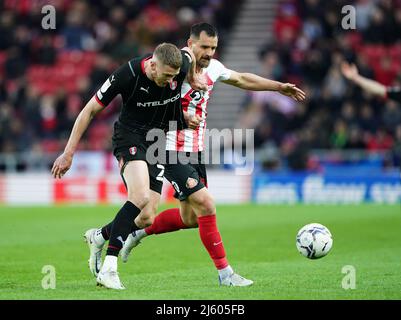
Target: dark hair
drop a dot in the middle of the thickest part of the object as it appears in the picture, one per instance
(169, 54)
(197, 28)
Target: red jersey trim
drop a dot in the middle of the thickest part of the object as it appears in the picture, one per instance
(98, 101)
(143, 64)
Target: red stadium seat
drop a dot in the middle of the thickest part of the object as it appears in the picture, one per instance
(50, 145)
(3, 57)
(99, 135)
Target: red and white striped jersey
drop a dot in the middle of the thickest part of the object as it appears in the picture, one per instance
(195, 103)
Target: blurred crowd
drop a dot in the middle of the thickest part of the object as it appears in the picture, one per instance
(47, 76)
(308, 48)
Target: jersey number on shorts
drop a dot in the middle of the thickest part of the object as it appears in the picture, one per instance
(161, 173)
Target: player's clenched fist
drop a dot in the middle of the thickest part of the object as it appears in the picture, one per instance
(61, 165)
(192, 121)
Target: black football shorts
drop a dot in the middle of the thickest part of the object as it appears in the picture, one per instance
(186, 178)
(129, 146)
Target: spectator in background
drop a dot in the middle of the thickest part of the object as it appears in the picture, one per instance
(381, 141)
(396, 151)
(376, 32)
(46, 53)
(355, 139)
(15, 64)
(3, 90)
(339, 137)
(348, 114)
(385, 72)
(367, 119)
(391, 116)
(7, 24)
(287, 23)
(364, 10)
(334, 86)
(315, 58)
(75, 33)
(309, 42)
(30, 57)
(100, 71)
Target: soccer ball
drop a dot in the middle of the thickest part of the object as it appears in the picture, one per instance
(314, 241)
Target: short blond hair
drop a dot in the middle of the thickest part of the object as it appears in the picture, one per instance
(168, 54)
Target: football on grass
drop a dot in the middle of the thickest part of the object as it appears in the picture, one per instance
(314, 241)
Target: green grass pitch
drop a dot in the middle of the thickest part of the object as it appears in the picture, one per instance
(259, 242)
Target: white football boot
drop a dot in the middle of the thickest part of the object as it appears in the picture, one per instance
(109, 279)
(131, 242)
(235, 280)
(95, 251)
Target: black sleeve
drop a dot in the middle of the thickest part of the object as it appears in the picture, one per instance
(394, 93)
(186, 61)
(117, 83)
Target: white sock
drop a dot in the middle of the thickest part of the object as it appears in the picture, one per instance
(110, 263)
(227, 271)
(141, 233)
(99, 240)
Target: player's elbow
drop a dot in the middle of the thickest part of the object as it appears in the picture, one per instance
(93, 107)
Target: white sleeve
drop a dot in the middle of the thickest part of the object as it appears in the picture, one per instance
(223, 72)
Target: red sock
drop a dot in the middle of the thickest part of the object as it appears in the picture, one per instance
(211, 239)
(166, 221)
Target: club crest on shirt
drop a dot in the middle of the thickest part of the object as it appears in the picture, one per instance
(132, 150)
(191, 183)
(173, 85)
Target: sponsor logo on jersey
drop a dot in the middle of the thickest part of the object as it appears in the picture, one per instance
(173, 85)
(158, 103)
(133, 150)
(143, 89)
(191, 183)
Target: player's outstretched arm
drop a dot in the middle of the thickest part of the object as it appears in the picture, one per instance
(64, 161)
(350, 71)
(253, 82)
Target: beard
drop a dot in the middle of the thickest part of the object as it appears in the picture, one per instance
(204, 62)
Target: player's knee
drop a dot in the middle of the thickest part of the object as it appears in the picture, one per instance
(204, 204)
(140, 199)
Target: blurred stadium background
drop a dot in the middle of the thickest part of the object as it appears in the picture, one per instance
(341, 145)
